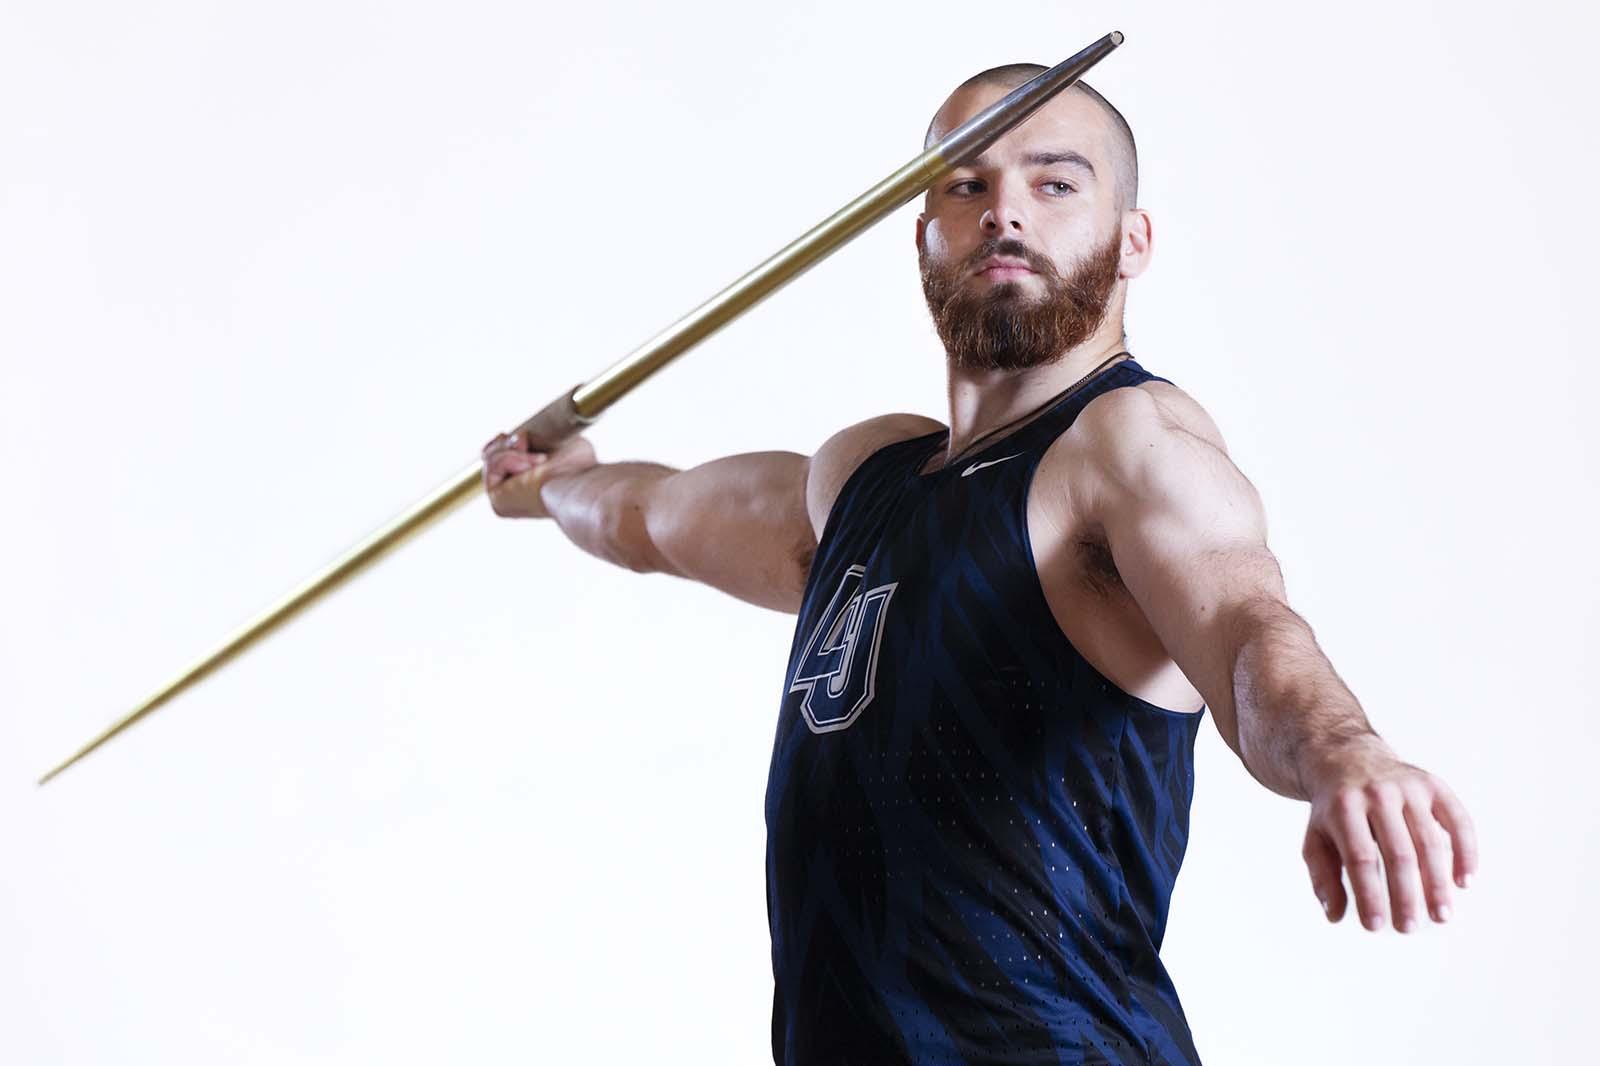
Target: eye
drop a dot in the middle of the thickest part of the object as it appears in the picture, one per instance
(969, 181)
(1063, 186)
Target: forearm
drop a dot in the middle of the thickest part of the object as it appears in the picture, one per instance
(601, 509)
(1291, 709)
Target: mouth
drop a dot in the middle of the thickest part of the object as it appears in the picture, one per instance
(999, 268)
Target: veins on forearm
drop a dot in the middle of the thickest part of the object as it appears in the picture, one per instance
(1291, 709)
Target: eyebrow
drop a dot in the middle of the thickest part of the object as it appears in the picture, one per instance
(1044, 159)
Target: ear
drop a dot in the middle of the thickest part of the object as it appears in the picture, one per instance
(1137, 236)
(922, 224)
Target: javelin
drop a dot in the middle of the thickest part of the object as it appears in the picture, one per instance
(571, 412)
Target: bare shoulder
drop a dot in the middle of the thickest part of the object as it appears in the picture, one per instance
(1116, 428)
(840, 455)
(1151, 405)
(1120, 419)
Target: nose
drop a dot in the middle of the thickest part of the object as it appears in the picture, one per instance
(1002, 215)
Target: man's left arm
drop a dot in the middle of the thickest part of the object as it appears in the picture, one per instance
(1187, 532)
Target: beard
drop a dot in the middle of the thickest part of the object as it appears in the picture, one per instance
(1002, 328)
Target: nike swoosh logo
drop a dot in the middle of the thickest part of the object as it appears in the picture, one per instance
(979, 466)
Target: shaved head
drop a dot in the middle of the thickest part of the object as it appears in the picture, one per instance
(1119, 135)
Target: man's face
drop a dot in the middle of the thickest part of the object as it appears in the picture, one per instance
(1031, 198)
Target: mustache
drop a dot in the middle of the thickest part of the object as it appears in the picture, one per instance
(1010, 246)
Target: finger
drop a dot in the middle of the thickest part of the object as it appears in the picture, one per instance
(506, 465)
(1388, 821)
(510, 464)
(1322, 859)
(519, 493)
(1360, 854)
(503, 442)
(1463, 836)
(1433, 850)
(488, 453)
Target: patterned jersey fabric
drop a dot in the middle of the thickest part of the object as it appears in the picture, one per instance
(972, 834)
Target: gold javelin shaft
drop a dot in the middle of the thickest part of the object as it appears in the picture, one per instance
(436, 504)
(578, 408)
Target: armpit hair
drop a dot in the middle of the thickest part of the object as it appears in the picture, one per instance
(1099, 569)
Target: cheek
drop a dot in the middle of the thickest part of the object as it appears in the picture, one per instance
(933, 236)
(1071, 246)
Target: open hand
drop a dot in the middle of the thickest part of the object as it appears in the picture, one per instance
(1397, 831)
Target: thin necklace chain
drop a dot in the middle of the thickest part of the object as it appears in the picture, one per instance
(1063, 394)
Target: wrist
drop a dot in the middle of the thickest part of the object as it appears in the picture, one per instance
(1328, 763)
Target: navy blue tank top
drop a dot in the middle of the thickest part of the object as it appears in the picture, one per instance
(972, 834)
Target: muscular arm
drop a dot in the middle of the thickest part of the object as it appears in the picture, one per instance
(745, 524)
(1188, 535)
(738, 523)
(1187, 532)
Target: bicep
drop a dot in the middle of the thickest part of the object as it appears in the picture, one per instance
(1187, 531)
(749, 524)
(738, 524)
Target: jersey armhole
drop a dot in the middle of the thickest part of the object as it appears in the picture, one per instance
(846, 488)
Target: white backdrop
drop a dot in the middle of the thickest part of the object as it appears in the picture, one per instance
(270, 272)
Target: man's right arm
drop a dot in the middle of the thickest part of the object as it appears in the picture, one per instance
(737, 523)
(745, 524)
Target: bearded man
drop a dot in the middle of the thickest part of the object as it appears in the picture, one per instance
(1008, 631)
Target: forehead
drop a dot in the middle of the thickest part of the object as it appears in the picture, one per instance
(1068, 120)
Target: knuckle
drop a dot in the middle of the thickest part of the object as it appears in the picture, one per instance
(1383, 793)
(1402, 857)
(1420, 795)
(1362, 860)
(1349, 802)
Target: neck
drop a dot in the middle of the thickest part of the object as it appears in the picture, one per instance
(982, 401)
